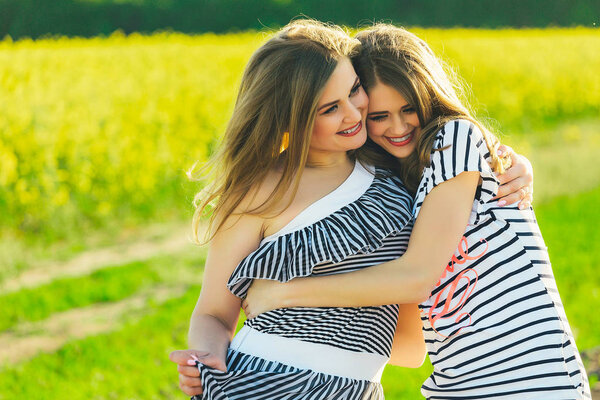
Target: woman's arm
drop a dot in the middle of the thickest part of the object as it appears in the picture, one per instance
(215, 316)
(409, 348)
(217, 309)
(438, 229)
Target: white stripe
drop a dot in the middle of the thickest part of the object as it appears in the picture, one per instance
(306, 355)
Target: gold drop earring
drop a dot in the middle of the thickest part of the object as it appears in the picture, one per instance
(285, 142)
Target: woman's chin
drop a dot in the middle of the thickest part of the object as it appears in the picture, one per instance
(358, 140)
(400, 152)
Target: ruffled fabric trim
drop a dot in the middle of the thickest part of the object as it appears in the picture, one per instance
(359, 227)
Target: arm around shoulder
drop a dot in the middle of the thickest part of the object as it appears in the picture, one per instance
(435, 237)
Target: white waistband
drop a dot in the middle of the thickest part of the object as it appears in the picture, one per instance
(306, 355)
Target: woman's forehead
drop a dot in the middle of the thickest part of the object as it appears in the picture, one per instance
(340, 82)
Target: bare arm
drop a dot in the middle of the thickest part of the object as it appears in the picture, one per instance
(215, 316)
(438, 229)
(216, 313)
(408, 349)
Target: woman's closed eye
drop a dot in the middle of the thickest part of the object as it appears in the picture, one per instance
(331, 109)
(355, 89)
(378, 118)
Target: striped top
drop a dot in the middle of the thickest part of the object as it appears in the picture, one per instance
(494, 325)
(365, 222)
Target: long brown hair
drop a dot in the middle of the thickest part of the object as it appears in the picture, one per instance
(399, 59)
(276, 103)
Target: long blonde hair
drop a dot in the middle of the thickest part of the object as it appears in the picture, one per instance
(276, 103)
(401, 60)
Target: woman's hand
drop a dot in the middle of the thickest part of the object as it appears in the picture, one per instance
(189, 375)
(262, 297)
(516, 183)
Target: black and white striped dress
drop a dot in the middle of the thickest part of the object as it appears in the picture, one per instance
(320, 353)
(494, 325)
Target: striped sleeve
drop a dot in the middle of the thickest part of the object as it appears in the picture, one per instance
(459, 146)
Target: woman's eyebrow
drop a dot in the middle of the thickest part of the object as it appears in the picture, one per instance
(327, 105)
(335, 101)
(404, 107)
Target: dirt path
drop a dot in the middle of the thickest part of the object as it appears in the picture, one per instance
(29, 339)
(177, 240)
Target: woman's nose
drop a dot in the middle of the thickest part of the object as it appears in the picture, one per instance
(353, 114)
(398, 126)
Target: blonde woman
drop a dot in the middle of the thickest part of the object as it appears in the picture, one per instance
(294, 199)
(492, 317)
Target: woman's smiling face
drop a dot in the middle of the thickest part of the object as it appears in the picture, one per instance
(341, 112)
(392, 123)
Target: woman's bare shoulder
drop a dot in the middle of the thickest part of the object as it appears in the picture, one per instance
(248, 208)
(261, 192)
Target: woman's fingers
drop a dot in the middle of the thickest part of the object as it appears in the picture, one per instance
(514, 190)
(504, 151)
(511, 174)
(510, 199)
(523, 196)
(183, 357)
(188, 371)
(526, 201)
(247, 309)
(213, 362)
(516, 183)
(189, 381)
(190, 391)
(519, 166)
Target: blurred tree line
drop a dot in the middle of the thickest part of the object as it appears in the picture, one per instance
(35, 18)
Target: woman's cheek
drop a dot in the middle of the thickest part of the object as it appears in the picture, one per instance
(373, 130)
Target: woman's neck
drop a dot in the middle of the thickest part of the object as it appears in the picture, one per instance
(321, 159)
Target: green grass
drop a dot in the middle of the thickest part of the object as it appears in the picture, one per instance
(131, 363)
(570, 229)
(405, 383)
(106, 285)
(564, 158)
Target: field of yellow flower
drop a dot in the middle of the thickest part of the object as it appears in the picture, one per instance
(94, 130)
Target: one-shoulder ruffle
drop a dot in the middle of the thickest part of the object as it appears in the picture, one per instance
(361, 226)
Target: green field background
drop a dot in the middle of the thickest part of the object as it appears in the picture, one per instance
(96, 136)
